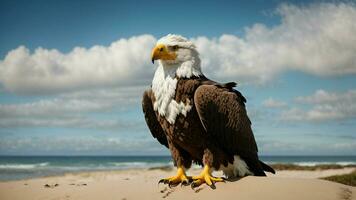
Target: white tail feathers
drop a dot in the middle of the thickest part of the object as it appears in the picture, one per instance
(238, 169)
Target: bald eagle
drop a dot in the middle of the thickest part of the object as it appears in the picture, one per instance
(199, 120)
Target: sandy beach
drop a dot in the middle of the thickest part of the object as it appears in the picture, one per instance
(142, 184)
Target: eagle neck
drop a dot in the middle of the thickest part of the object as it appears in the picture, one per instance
(187, 69)
(164, 86)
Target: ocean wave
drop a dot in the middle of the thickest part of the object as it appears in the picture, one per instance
(139, 164)
(324, 163)
(82, 166)
(136, 165)
(23, 166)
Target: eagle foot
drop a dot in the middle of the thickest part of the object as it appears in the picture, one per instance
(205, 177)
(180, 178)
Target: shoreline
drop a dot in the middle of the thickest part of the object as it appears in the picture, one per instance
(283, 170)
(143, 184)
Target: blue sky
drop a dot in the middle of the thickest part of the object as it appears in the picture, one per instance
(72, 73)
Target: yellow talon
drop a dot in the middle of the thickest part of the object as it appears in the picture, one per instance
(181, 177)
(205, 177)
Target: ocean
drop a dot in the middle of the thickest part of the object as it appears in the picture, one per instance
(23, 167)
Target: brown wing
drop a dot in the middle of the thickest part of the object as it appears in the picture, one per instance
(223, 114)
(151, 118)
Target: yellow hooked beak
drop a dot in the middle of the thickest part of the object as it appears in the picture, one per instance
(161, 52)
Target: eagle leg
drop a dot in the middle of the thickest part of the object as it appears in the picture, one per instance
(181, 177)
(206, 177)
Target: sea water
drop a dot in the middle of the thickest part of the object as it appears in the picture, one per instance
(23, 167)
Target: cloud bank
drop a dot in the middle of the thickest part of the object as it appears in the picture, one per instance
(324, 106)
(75, 110)
(318, 39)
(273, 103)
(72, 145)
(47, 71)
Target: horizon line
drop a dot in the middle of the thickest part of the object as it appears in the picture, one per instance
(138, 155)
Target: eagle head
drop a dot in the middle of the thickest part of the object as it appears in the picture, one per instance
(173, 49)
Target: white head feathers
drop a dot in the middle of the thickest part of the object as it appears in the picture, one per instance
(172, 40)
(187, 62)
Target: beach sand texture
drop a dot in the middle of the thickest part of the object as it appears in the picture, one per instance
(142, 184)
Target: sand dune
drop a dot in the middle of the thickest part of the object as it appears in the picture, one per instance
(142, 184)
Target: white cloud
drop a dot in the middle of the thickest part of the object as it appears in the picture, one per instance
(322, 96)
(73, 122)
(119, 96)
(89, 145)
(318, 146)
(319, 39)
(124, 62)
(44, 108)
(77, 109)
(273, 103)
(325, 106)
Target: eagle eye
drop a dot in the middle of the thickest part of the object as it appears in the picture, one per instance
(175, 47)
